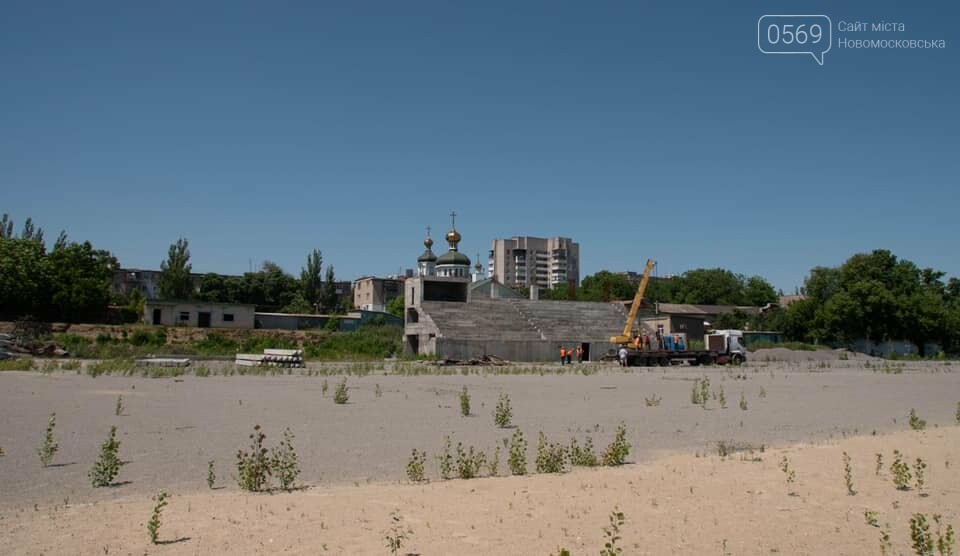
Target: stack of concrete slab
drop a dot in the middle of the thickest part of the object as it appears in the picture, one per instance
(271, 358)
(163, 362)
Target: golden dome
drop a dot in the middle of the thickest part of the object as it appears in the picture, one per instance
(453, 238)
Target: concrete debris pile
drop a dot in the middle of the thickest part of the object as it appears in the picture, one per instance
(490, 360)
(13, 346)
(271, 358)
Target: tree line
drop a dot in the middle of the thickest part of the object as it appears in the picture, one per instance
(73, 281)
(874, 296)
(269, 288)
(709, 286)
(69, 282)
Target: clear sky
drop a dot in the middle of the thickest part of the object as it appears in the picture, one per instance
(262, 130)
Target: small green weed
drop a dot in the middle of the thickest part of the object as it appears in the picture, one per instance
(503, 413)
(551, 457)
(49, 447)
(341, 395)
(901, 471)
(517, 459)
(445, 459)
(253, 467)
(618, 450)
(918, 470)
(916, 423)
(211, 474)
(848, 474)
(153, 526)
(652, 401)
(582, 456)
(415, 466)
(469, 462)
(284, 463)
(464, 402)
(612, 534)
(397, 534)
(107, 466)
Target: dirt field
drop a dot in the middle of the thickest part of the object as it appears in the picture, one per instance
(678, 494)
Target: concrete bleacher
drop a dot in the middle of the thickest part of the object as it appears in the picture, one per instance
(523, 319)
(480, 319)
(572, 320)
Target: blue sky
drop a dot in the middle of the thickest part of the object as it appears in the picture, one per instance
(262, 130)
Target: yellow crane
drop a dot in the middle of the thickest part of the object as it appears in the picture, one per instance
(626, 338)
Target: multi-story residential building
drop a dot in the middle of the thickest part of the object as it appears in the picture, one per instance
(373, 294)
(533, 261)
(125, 280)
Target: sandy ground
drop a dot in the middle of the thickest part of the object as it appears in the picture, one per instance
(678, 495)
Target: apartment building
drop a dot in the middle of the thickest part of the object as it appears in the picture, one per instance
(533, 261)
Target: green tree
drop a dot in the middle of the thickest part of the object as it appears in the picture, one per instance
(714, 286)
(758, 292)
(80, 280)
(310, 279)
(328, 294)
(175, 282)
(395, 306)
(606, 286)
(24, 281)
(213, 288)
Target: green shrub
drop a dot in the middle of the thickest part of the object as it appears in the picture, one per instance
(415, 466)
(366, 342)
(551, 457)
(900, 471)
(517, 460)
(17, 364)
(253, 467)
(922, 541)
(216, 344)
(618, 450)
(916, 423)
(284, 464)
(582, 456)
(469, 462)
(107, 466)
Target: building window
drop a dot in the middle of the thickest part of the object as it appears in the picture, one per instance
(184, 315)
(228, 317)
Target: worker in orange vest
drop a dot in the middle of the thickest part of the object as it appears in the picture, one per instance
(579, 353)
(563, 355)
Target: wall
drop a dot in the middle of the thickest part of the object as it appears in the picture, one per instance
(524, 350)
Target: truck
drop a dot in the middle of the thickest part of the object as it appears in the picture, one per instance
(721, 346)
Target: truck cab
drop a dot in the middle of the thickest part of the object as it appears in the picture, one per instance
(727, 344)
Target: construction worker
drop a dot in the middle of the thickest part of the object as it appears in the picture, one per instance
(637, 341)
(579, 353)
(623, 356)
(563, 355)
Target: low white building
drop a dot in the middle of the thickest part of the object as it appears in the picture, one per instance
(199, 314)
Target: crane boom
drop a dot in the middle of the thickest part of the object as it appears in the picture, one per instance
(635, 307)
